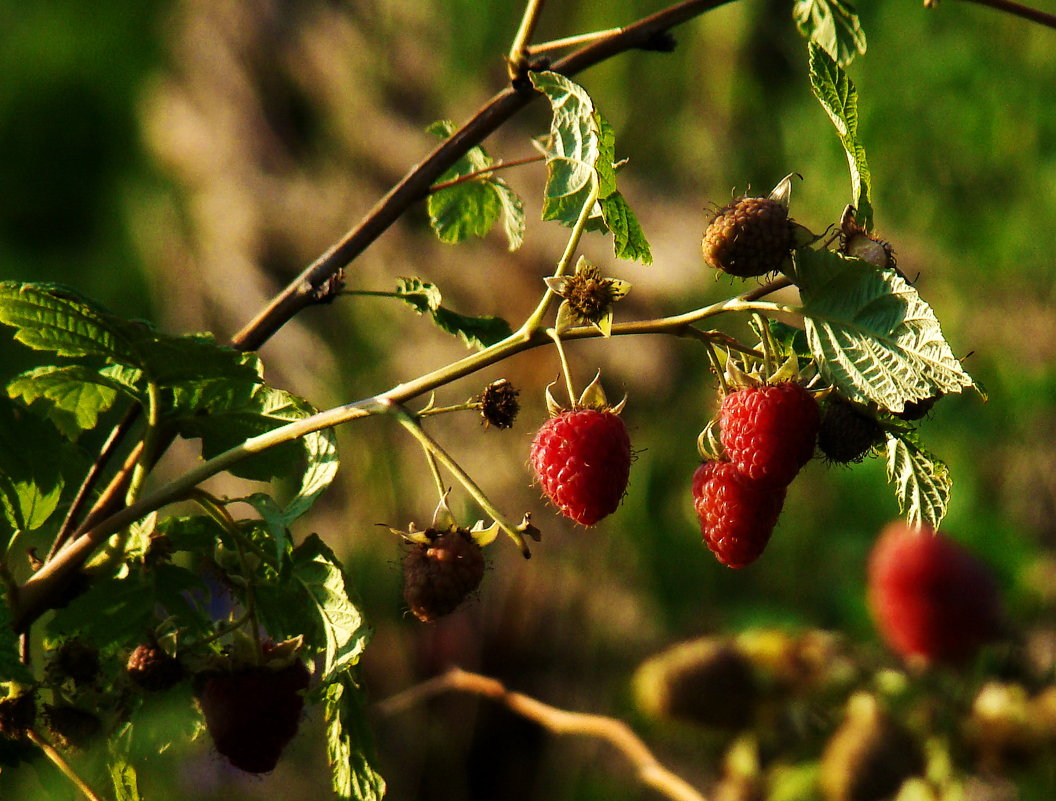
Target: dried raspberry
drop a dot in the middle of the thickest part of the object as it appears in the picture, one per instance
(583, 459)
(150, 668)
(709, 682)
(498, 404)
(252, 713)
(847, 433)
(869, 756)
(931, 598)
(769, 432)
(17, 714)
(751, 236)
(437, 577)
(737, 514)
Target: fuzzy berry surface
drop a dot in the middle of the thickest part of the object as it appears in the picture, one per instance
(582, 459)
(439, 575)
(769, 432)
(932, 599)
(252, 713)
(751, 236)
(737, 514)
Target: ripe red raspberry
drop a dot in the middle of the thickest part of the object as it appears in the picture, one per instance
(751, 236)
(769, 432)
(583, 458)
(931, 598)
(252, 713)
(439, 575)
(737, 514)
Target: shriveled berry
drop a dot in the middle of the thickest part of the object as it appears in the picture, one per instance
(583, 459)
(439, 575)
(498, 404)
(847, 433)
(930, 597)
(253, 713)
(769, 432)
(751, 236)
(709, 682)
(737, 514)
(150, 668)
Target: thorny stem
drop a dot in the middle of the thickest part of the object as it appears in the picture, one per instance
(433, 448)
(517, 61)
(498, 165)
(31, 599)
(60, 762)
(558, 721)
(1019, 10)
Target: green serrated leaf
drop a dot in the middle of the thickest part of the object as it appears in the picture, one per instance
(513, 217)
(275, 521)
(35, 460)
(11, 667)
(425, 298)
(349, 744)
(113, 611)
(628, 240)
(575, 145)
(839, 97)
(833, 26)
(73, 396)
(922, 482)
(123, 776)
(315, 598)
(871, 334)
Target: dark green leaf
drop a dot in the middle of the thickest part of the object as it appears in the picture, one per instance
(349, 744)
(276, 523)
(114, 611)
(315, 598)
(833, 26)
(922, 481)
(871, 333)
(11, 667)
(73, 396)
(628, 240)
(425, 298)
(838, 96)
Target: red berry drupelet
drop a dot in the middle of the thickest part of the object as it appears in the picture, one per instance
(737, 513)
(769, 431)
(583, 459)
(932, 600)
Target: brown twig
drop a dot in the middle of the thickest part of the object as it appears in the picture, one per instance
(1019, 10)
(559, 721)
(498, 165)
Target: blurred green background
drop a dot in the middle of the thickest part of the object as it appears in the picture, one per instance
(181, 161)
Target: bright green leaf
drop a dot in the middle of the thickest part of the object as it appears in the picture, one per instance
(349, 745)
(512, 213)
(922, 482)
(313, 597)
(628, 240)
(833, 26)
(871, 333)
(839, 97)
(575, 145)
(275, 522)
(123, 776)
(74, 396)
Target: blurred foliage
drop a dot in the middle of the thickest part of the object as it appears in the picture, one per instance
(182, 160)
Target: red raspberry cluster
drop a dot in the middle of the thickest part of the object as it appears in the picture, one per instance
(768, 434)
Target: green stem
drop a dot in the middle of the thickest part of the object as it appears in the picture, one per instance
(566, 371)
(518, 58)
(150, 442)
(572, 41)
(60, 762)
(432, 447)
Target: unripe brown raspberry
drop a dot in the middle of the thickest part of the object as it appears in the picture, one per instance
(438, 575)
(150, 668)
(751, 236)
(869, 756)
(709, 682)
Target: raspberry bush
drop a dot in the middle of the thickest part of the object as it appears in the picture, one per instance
(190, 587)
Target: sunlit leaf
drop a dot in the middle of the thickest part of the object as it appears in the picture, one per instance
(349, 743)
(922, 481)
(833, 26)
(475, 332)
(74, 396)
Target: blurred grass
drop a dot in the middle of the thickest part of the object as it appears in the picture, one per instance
(959, 124)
